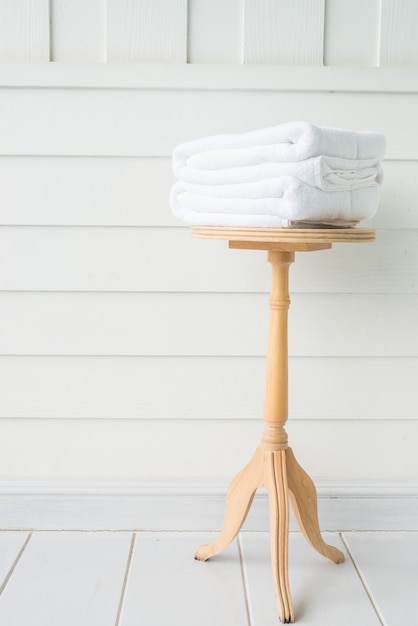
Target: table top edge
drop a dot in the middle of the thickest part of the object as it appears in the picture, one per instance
(277, 235)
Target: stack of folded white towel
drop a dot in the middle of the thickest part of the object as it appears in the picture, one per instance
(291, 175)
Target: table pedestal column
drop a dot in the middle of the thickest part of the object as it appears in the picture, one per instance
(273, 464)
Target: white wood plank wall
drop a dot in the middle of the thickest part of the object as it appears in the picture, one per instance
(129, 350)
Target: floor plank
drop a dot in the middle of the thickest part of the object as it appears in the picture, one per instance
(67, 579)
(323, 593)
(78, 578)
(387, 561)
(167, 586)
(11, 543)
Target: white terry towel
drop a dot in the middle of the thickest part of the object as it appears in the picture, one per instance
(327, 173)
(291, 141)
(290, 200)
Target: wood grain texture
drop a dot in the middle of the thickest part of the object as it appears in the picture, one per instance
(330, 585)
(78, 31)
(239, 497)
(24, 30)
(398, 40)
(291, 236)
(280, 32)
(304, 498)
(273, 464)
(275, 32)
(147, 30)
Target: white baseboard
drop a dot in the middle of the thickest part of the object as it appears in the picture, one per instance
(55, 505)
(325, 488)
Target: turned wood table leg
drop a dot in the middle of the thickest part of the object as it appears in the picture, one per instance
(275, 437)
(273, 464)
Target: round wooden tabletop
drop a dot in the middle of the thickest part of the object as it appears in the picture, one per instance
(286, 235)
(285, 239)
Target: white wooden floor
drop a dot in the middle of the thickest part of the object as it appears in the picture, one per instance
(124, 578)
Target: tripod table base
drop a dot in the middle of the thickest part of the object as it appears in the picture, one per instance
(282, 476)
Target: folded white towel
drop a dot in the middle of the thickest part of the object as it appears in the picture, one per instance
(327, 173)
(292, 141)
(289, 200)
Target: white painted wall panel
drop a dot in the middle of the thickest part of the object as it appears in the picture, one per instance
(24, 30)
(215, 76)
(281, 32)
(276, 31)
(215, 31)
(139, 352)
(146, 30)
(398, 41)
(204, 324)
(197, 388)
(151, 122)
(399, 199)
(352, 32)
(78, 31)
(131, 259)
(88, 191)
(197, 449)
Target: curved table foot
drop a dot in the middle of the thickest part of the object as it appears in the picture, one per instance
(304, 500)
(238, 502)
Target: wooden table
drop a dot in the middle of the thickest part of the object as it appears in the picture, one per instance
(273, 464)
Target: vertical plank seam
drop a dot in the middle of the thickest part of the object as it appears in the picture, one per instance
(246, 586)
(188, 31)
(242, 38)
(379, 35)
(324, 10)
(363, 581)
(125, 579)
(105, 33)
(49, 29)
(15, 563)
